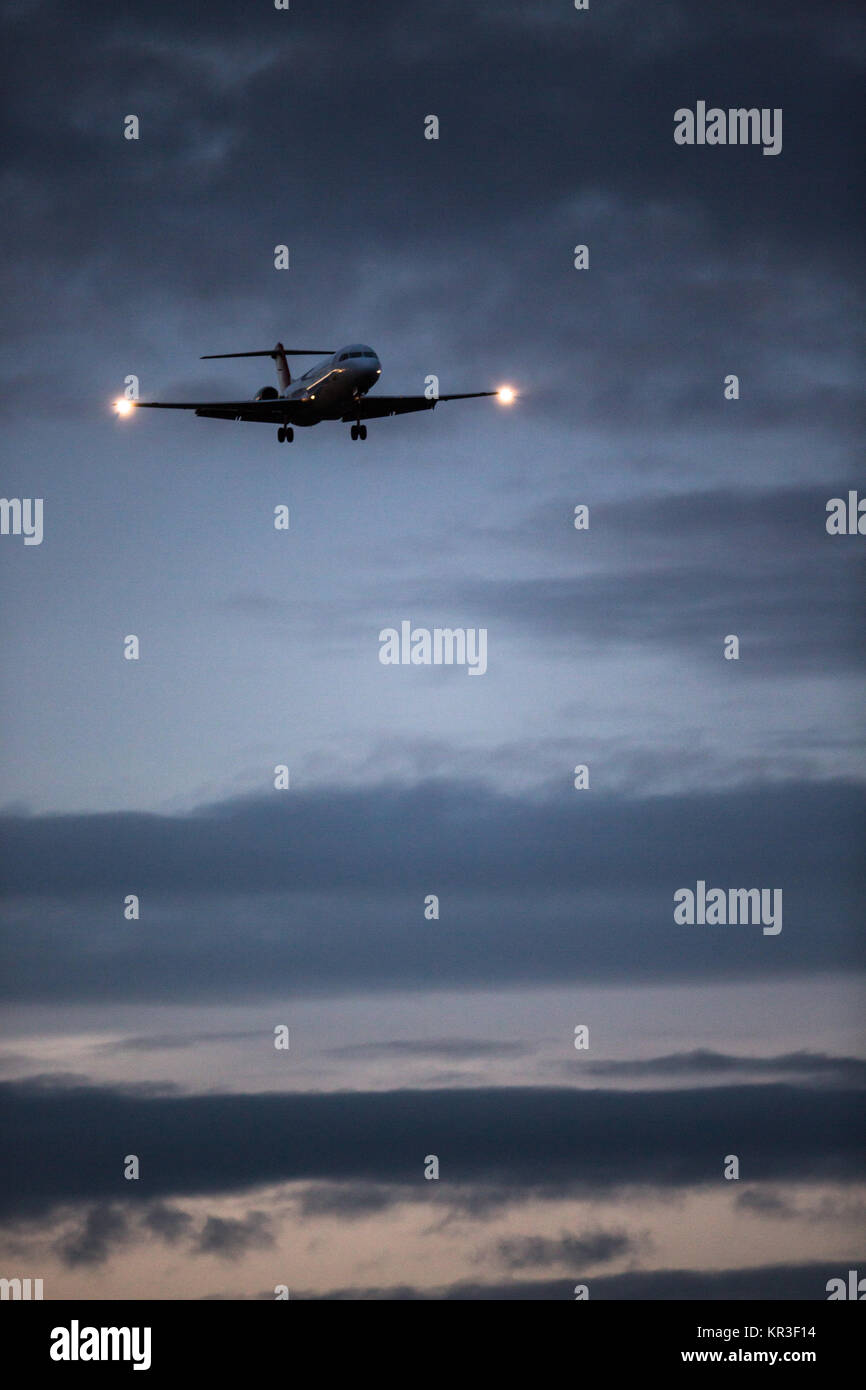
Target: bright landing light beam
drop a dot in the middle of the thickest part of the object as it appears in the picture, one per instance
(123, 406)
(505, 395)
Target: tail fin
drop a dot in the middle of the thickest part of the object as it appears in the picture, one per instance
(284, 376)
(279, 355)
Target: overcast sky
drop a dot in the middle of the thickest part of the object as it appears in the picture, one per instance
(260, 647)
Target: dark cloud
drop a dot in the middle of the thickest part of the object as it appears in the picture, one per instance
(764, 530)
(533, 1141)
(348, 1200)
(599, 1247)
(169, 1223)
(760, 1203)
(824, 1210)
(463, 835)
(230, 1237)
(809, 624)
(668, 574)
(288, 866)
(818, 1065)
(807, 1282)
(102, 1230)
(677, 573)
(99, 1230)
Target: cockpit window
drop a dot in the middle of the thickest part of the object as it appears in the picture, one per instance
(343, 356)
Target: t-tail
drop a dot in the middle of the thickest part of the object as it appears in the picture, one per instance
(280, 355)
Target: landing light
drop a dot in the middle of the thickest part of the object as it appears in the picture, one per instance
(505, 395)
(123, 406)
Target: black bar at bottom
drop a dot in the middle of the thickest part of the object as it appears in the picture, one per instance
(221, 1338)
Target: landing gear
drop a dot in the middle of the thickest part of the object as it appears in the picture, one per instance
(285, 434)
(358, 431)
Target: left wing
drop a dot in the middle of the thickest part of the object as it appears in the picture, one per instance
(375, 407)
(273, 411)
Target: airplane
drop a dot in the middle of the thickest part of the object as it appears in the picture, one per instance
(333, 389)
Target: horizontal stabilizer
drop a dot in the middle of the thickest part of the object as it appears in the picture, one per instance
(272, 352)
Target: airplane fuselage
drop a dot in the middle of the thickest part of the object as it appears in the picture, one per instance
(331, 387)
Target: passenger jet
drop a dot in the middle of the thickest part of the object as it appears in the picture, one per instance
(334, 389)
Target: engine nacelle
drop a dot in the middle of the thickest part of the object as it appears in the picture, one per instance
(267, 393)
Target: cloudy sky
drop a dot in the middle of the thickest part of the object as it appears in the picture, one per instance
(413, 1036)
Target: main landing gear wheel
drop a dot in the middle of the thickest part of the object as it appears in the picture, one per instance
(285, 434)
(359, 431)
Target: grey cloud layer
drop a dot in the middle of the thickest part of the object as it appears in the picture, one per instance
(311, 891)
(670, 575)
(678, 573)
(819, 1066)
(528, 1141)
(783, 1281)
(460, 835)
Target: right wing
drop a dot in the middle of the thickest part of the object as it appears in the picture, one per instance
(376, 407)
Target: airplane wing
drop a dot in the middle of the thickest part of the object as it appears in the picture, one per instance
(276, 411)
(269, 412)
(375, 407)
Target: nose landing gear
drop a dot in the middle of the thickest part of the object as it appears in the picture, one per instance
(285, 434)
(358, 431)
